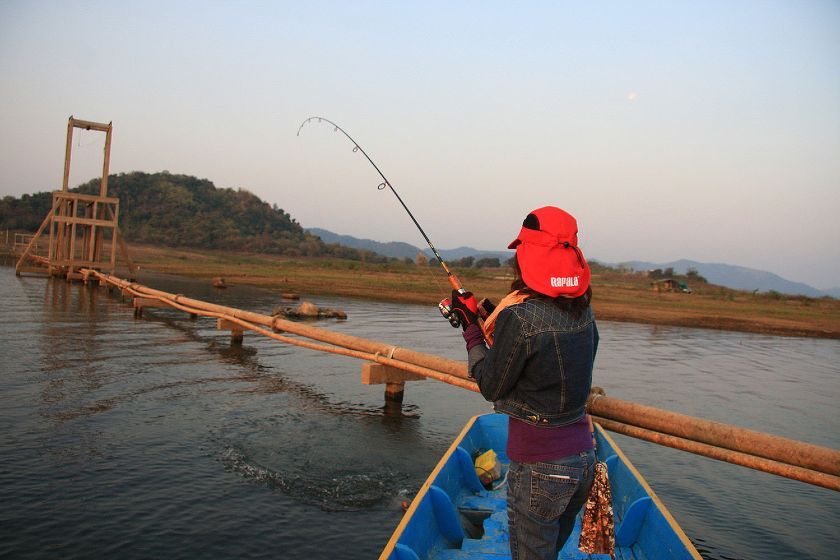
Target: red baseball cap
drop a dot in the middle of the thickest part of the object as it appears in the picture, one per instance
(549, 258)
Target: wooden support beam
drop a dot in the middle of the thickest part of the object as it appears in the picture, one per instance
(118, 237)
(236, 331)
(67, 154)
(377, 374)
(106, 160)
(32, 270)
(34, 241)
(84, 221)
(393, 378)
(90, 125)
(78, 263)
(148, 302)
(140, 302)
(114, 233)
(109, 200)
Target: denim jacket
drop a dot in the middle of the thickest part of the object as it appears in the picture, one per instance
(539, 369)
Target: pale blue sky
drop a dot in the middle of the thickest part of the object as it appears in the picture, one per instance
(708, 131)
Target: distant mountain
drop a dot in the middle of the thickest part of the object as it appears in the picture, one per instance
(730, 276)
(737, 277)
(395, 249)
(401, 250)
(461, 252)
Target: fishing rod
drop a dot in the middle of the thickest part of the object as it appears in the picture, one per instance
(445, 305)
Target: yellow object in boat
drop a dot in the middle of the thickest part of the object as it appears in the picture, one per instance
(487, 467)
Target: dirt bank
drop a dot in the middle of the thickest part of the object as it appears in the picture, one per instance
(617, 297)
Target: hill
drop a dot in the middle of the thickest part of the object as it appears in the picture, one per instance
(184, 211)
(735, 277)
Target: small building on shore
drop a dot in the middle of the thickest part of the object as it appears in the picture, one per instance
(669, 285)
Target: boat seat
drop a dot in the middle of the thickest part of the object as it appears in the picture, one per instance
(486, 501)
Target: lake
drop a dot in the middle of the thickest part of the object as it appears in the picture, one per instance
(154, 437)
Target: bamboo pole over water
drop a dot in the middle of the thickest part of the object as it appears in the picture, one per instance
(721, 454)
(442, 369)
(450, 367)
(717, 434)
(757, 450)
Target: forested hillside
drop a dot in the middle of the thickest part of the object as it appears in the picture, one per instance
(184, 211)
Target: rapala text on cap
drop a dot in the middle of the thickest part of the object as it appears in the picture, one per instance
(563, 281)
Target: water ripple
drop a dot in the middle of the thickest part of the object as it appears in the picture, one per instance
(154, 437)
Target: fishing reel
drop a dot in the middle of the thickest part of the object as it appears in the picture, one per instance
(445, 307)
(485, 308)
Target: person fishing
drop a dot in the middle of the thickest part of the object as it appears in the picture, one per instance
(534, 360)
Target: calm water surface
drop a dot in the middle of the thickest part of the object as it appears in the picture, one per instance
(155, 438)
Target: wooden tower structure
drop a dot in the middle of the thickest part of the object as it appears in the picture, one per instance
(83, 230)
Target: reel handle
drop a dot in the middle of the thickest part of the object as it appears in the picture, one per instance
(445, 308)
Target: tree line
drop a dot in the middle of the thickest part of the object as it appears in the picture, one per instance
(185, 211)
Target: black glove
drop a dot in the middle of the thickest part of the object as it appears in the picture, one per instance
(465, 305)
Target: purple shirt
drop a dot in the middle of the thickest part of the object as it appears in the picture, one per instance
(530, 444)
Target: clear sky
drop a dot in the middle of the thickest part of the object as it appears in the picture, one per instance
(700, 130)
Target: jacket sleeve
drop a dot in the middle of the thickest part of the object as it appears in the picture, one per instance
(499, 370)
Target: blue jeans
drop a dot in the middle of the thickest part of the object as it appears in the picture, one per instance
(543, 502)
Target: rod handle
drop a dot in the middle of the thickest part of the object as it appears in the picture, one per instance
(455, 283)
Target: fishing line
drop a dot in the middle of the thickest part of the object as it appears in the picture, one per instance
(453, 280)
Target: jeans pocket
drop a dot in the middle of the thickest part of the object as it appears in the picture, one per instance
(550, 493)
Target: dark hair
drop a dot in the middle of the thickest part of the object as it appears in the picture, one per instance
(575, 306)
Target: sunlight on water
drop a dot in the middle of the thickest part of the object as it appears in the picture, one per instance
(156, 438)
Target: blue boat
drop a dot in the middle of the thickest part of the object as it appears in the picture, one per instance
(454, 516)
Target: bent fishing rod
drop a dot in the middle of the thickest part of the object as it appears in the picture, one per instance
(445, 305)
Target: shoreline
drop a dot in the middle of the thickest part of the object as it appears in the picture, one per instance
(617, 297)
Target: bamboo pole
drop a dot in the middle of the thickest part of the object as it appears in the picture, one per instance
(781, 456)
(735, 457)
(184, 304)
(450, 367)
(760, 444)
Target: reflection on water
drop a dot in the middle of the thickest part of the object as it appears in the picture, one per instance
(155, 437)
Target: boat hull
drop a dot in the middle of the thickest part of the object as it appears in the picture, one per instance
(454, 517)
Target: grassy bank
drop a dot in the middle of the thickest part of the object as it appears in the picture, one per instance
(618, 296)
